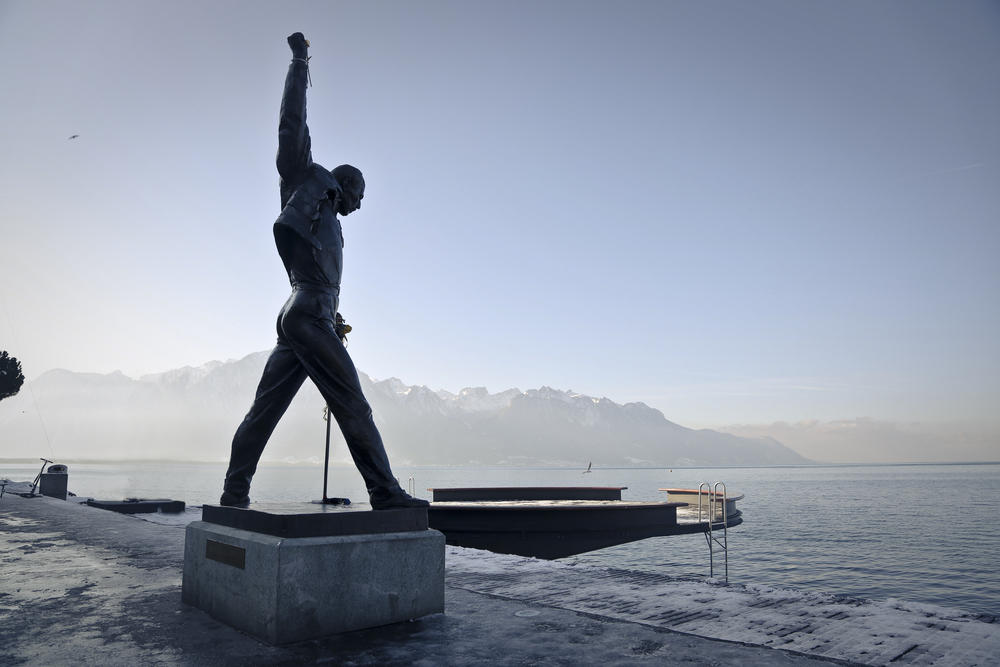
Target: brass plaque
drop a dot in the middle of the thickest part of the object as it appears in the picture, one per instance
(226, 553)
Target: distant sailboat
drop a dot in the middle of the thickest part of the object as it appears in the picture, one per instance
(591, 463)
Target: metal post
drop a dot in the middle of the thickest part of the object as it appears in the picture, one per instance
(38, 477)
(708, 534)
(326, 466)
(326, 460)
(725, 525)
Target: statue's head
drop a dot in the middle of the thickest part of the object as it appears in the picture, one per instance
(352, 185)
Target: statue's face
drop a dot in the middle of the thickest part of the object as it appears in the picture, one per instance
(350, 199)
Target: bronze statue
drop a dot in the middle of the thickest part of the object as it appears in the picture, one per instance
(310, 242)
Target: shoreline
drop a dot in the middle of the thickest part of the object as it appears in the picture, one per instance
(498, 466)
(897, 537)
(87, 586)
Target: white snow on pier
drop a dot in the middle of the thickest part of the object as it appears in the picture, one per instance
(863, 631)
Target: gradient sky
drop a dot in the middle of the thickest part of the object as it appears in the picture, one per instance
(733, 211)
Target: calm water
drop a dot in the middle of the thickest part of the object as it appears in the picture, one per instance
(920, 533)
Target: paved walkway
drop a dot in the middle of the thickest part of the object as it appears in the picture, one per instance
(82, 586)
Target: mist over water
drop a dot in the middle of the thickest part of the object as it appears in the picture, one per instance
(924, 533)
(189, 414)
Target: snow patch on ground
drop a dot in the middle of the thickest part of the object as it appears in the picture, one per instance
(15, 487)
(832, 626)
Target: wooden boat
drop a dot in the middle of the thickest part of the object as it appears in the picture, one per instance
(553, 522)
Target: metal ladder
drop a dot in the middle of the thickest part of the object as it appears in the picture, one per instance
(712, 507)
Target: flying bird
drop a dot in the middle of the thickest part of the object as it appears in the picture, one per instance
(74, 136)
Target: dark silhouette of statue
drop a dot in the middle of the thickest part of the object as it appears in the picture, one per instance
(310, 242)
(11, 377)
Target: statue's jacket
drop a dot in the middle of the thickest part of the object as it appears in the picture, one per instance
(307, 233)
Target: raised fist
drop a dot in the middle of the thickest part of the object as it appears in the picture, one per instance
(299, 44)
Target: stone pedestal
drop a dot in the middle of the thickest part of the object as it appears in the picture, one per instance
(293, 572)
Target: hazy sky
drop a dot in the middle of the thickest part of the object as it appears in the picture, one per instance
(733, 211)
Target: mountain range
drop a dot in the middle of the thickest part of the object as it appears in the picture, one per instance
(191, 413)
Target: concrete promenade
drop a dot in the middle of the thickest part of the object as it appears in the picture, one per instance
(83, 586)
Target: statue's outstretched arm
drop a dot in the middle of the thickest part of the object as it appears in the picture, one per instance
(294, 145)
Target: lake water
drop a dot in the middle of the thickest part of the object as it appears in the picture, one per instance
(925, 533)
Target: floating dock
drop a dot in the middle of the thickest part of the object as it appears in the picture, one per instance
(139, 505)
(555, 522)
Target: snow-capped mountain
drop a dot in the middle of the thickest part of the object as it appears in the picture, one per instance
(191, 413)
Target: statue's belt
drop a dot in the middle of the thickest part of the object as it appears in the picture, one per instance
(316, 287)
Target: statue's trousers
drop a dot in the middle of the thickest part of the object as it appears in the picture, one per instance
(308, 346)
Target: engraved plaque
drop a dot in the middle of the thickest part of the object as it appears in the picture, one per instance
(226, 553)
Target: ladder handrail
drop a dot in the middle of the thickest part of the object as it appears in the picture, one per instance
(712, 504)
(725, 524)
(708, 534)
